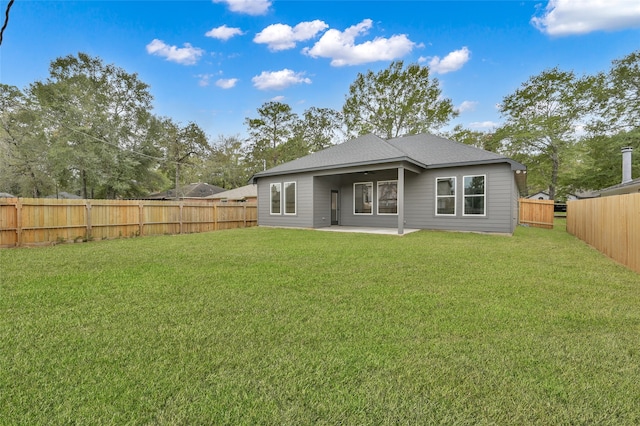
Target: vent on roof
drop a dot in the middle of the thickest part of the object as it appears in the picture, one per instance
(626, 164)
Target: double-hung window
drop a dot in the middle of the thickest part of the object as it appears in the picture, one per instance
(363, 198)
(289, 198)
(274, 198)
(446, 196)
(388, 197)
(475, 195)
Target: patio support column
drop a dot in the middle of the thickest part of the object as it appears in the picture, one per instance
(400, 201)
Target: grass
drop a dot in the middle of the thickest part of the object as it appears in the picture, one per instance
(273, 326)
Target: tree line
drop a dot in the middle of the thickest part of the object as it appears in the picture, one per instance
(88, 129)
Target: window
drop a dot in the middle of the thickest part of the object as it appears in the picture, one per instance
(275, 198)
(363, 198)
(289, 198)
(446, 196)
(474, 195)
(388, 197)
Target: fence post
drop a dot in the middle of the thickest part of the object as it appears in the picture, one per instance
(141, 219)
(88, 208)
(18, 222)
(181, 207)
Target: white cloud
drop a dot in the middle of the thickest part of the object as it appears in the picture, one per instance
(282, 37)
(187, 55)
(204, 79)
(249, 7)
(277, 80)
(278, 98)
(342, 49)
(452, 62)
(566, 17)
(227, 83)
(483, 125)
(223, 32)
(467, 106)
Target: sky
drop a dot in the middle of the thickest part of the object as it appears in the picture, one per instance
(215, 62)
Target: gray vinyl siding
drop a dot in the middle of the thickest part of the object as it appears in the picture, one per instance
(420, 200)
(313, 201)
(304, 202)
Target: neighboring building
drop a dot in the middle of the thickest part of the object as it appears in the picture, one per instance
(6, 195)
(628, 185)
(194, 190)
(247, 193)
(419, 181)
(539, 196)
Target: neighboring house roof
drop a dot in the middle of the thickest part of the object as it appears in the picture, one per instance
(241, 193)
(538, 195)
(630, 187)
(580, 195)
(6, 195)
(193, 190)
(424, 150)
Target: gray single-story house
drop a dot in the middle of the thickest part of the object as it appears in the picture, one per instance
(418, 181)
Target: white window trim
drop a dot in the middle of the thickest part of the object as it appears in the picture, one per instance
(295, 198)
(464, 197)
(271, 198)
(378, 199)
(455, 196)
(354, 199)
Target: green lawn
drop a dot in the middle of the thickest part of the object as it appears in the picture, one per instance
(272, 326)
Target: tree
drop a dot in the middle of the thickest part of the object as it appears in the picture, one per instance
(319, 128)
(274, 127)
(542, 117)
(614, 123)
(225, 165)
(182, 145)
(396, 101)
(98, 119)
(25, 167)
(478, 139)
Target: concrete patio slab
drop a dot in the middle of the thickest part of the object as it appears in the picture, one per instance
(366, 230)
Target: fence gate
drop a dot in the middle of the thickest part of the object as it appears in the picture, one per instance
(537, 213)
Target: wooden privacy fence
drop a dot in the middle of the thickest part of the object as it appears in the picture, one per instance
(609, 224)
(36, 221)
(537, 213)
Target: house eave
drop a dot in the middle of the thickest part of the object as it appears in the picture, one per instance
(337, 167)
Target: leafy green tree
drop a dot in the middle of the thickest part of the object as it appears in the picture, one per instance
(183, 146)
(225, 166)
(25, 167)
(273, 128)
(614, 123)
(542, 118)
(396, 101)
(478, 139)
(319, 128)
(98, 116)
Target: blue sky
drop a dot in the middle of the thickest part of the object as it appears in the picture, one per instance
(215, 62)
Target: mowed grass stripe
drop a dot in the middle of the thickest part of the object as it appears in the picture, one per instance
(274, 326)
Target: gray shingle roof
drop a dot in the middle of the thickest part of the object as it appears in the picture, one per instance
(240, 193)
(424, 150)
